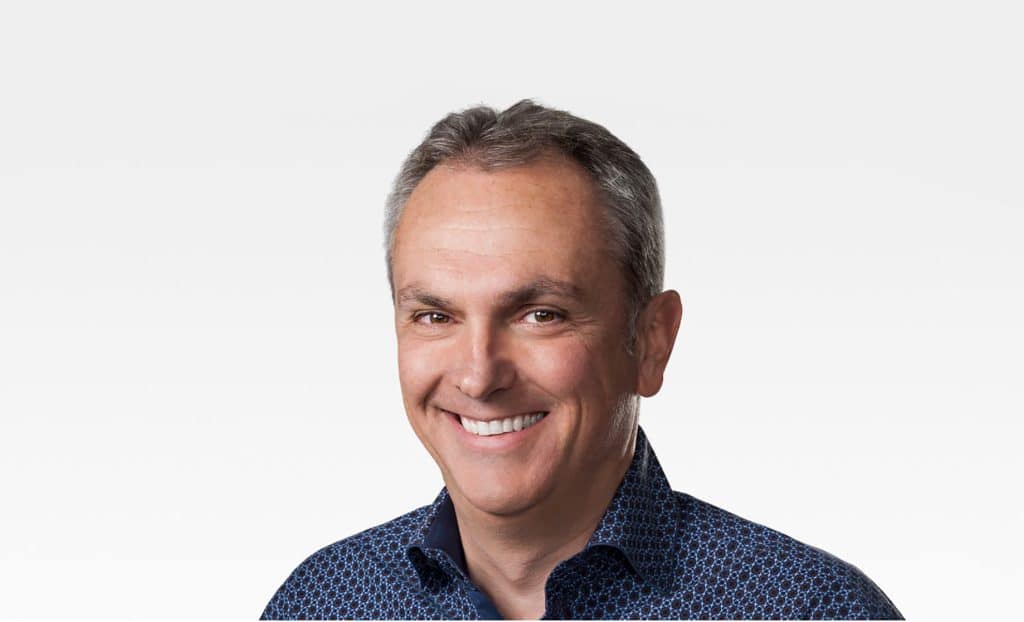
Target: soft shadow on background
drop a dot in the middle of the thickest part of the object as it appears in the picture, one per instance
(197, 367)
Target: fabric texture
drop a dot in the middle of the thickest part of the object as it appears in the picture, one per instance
(655, 554)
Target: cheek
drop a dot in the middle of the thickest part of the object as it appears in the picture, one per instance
(563, 368)
(418, 371)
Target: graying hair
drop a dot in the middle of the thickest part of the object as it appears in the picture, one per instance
(488, 139)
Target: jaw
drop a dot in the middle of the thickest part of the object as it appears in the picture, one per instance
(503, 475)
(537, 471)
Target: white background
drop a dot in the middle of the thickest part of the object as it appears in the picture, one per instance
(197, 367)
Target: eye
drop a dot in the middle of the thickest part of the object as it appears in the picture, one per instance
(543, 316)
(431, 317)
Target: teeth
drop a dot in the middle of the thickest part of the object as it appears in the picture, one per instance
(509, 424)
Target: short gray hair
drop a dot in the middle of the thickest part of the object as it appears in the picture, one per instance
(488, 139)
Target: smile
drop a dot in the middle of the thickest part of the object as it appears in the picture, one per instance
(500, 426)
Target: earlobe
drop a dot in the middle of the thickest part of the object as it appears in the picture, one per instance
(658, 328)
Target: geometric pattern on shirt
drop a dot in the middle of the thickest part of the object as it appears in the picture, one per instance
(655, 554)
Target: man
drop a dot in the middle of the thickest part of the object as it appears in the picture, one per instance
(525, 256)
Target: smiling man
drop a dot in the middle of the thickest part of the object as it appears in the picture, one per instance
(525, 255)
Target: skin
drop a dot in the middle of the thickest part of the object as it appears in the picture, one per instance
(508, 302)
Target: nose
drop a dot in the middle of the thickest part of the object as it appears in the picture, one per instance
(484, 367)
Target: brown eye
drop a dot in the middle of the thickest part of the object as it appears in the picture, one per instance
(543, 316)
(432, 317)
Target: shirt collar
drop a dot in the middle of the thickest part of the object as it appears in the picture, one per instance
(442, 531)
(641, 518)
(637, 522)
(436, 542)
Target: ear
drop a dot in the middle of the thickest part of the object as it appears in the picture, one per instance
(656, 334)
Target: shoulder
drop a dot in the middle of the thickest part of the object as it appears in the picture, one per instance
(362, 576)
(740, 568)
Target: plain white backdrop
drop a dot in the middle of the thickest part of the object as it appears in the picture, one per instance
(198, 384)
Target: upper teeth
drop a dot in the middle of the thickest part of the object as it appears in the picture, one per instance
(500, 426)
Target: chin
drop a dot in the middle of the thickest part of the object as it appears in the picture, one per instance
(496, 496)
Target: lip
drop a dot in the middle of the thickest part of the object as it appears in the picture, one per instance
(497, 442)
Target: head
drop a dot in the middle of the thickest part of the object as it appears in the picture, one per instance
(525, 257)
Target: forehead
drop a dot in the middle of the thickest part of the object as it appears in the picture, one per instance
(466, 228)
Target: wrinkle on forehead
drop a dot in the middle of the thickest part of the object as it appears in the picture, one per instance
(501, 238)
(530, 290)
(499, 229)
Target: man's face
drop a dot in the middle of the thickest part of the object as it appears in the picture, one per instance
(509, 307)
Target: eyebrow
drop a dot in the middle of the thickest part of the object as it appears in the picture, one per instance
(535, 289)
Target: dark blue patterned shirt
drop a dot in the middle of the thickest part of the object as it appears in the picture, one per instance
(655, 554)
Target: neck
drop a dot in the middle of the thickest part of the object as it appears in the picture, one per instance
(510, 557)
